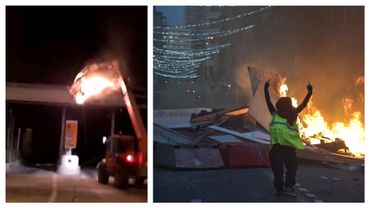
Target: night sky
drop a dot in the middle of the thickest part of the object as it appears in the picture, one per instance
(50, 45)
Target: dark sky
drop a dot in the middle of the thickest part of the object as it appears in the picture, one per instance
(50, 45)
(174, 14)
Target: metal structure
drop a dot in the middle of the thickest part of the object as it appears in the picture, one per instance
(100, 79)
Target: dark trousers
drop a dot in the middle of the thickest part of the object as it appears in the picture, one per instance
(279, 156)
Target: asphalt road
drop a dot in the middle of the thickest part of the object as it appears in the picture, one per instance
(315, 183)
(36, 185)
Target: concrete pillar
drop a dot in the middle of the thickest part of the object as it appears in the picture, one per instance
(61, 144)
(112, 123)
(9, 121)
(11, 140)
(18, 143)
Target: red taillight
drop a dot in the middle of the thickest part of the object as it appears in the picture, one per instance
(130, 158)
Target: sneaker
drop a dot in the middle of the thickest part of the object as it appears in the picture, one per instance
(290, 191)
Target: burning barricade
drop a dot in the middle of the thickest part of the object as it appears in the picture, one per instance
(240, 136)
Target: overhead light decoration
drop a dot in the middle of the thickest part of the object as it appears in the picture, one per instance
(193, 37)
(227, 19)
(175, 55)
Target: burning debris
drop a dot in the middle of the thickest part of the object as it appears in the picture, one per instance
(315, 129)
(244, 131)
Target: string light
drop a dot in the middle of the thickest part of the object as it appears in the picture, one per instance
(209, 36)
(214, 33)
(190, 76)
(215, 21)
(183, 64)
(177, 71)
(192, 51)
(180, 61)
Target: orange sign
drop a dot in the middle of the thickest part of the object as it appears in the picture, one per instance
(70, 136)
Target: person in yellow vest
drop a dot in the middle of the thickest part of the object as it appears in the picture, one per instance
(285, 140)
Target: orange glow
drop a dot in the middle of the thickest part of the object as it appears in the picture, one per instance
(95, 80)
(313, 126)
(347, 105)
(283, 88)
(360, 80)
(92, 86)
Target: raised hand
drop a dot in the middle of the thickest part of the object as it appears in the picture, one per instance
(267, 84)
(309, 87)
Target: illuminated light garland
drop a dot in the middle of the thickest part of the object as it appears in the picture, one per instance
(215, 21)
(183, 64)
(193, 51)
(174, 71)
(188, 54)
(175, 68)
(190, 76)
(186, 40)
(177, 71)
(187, 57)
(174, 64)
(214, 33)
(169, 67)
(182, 61)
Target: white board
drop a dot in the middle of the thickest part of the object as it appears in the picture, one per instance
(247, 136)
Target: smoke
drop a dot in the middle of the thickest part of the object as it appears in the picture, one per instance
(323, 45)
(124, 39)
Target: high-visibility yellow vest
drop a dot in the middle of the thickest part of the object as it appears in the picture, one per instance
(281, 132)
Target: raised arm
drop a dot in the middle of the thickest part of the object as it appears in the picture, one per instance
(267, 97)
(306, 99)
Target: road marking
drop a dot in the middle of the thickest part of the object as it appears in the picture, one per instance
(298, 184)
(311, 195)
(53, 195)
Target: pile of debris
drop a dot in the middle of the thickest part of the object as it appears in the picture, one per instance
(202, 138)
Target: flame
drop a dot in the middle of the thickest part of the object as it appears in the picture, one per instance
(95, 79)
(283, 89)
(313, 126)
(347, 105)
(92, 86)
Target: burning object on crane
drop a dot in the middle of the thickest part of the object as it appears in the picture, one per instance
(96, 79)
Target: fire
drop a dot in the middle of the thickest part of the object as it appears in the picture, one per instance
(94, 80)
(313, 126)
(347, 105)
(283, 89)
(92, 86)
